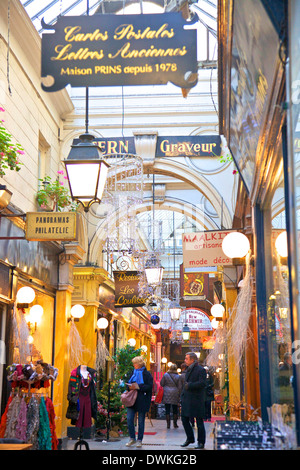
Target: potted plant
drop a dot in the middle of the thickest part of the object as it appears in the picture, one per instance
(9, 152)
(54, 196)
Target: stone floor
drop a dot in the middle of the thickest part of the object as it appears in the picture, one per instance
(156, 437)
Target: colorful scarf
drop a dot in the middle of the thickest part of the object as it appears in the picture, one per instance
(137, 376)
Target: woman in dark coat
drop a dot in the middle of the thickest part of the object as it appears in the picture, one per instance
(142, 381)
(193, 400)
(172, 389)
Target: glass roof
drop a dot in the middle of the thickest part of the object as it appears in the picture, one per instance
(49, 10)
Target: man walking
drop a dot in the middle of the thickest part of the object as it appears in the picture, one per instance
(193, 400)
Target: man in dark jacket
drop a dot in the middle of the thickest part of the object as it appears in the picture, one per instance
(193, 400)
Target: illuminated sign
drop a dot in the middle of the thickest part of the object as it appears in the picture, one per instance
(109, 50)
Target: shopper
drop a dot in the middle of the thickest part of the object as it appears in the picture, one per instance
(182, 380)
(142, 381)
(193, 400)
(209, 393)
(172, 389)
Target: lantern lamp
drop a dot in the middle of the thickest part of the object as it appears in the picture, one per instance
(235, 245)
(175, 311)
(86, 172)
(154, 271)
(186, 333)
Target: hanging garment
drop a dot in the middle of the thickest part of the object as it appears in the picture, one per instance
(4, 417)
(85, 408)
(74, 391)
(32, 422)
(44, 434)
(22, 421)
(12, 418)
(51, 414)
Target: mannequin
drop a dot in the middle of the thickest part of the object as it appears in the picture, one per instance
(82, 396)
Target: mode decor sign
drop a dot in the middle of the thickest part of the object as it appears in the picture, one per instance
(204, 249)
(109, 50)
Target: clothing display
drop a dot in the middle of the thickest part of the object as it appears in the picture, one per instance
(30, 417)
(82, 397)
(36, 375)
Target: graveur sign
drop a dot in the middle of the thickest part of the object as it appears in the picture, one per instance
(170, 146)
(42, 226)
(108, 50)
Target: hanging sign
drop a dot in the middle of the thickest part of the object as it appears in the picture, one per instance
(193, 286)
(196, 319)
(108, 50)
(127, 289)
(204, 249)
(43, 226)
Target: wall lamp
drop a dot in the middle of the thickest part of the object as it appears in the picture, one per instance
(25, 296)
(235, 245)
(102, 323)
(77, 312)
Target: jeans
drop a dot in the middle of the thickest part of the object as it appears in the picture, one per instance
(189, 430)
(141, 423)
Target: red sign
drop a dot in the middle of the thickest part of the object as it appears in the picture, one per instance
(204, 249)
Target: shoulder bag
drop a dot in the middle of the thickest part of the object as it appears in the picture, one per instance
(128, 398)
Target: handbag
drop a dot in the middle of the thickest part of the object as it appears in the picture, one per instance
(159, 396)
(128, 398)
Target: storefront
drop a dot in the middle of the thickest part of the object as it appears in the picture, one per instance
(253, 120)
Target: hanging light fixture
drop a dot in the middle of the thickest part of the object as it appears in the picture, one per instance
(186, 333)
(86, 172)
(175, 310)
(235, 245)
(154, 271)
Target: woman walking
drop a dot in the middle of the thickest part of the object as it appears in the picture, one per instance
(142, 381)
(171, 384)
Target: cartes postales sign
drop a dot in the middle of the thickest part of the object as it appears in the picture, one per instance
(108, 50)
(127, 289)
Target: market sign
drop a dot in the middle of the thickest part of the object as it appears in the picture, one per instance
(109, 50)
(204, 249)
(127, 289)
(198, 320)
(179, 146)
(55, 226)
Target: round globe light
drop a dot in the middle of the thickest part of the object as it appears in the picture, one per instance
(25, 295)
(77, 311)
(164, 360)
(214, 323)
(217, 310)
(35, 314)
(281, 245)
(132, 342)
(102, 323)
(235, 245)
(144, 348)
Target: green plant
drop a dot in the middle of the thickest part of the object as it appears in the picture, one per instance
(57, 192)
(123, 360)
(9, 152)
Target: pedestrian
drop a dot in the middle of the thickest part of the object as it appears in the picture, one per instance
(182, 380)
(142, 381)
(209, 392)
(172, 390)
(193, 400)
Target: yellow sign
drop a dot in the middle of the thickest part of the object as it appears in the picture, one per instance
(55, 226)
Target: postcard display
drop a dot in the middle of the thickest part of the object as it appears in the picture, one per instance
(29, 415)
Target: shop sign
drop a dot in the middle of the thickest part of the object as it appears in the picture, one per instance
(189, 146)
(198, 320)
(254, 64)
(109, 50)
(127, 289)
(56, 226)
(179, 146)
(204, 249)
(193, 286)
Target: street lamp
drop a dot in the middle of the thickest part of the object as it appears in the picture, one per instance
(86, 172)
(186, 333)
